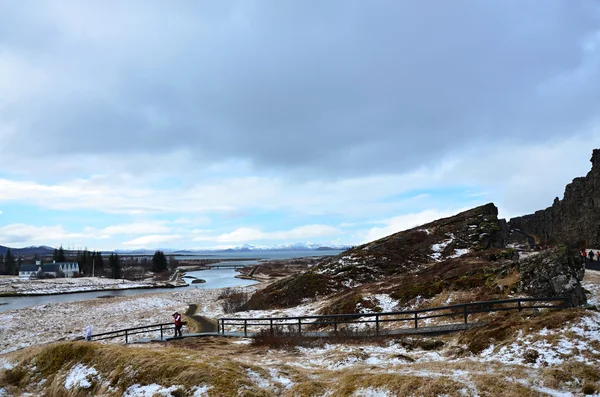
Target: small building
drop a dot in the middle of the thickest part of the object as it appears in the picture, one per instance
(26, 271)
(55, 269)
(67, 268)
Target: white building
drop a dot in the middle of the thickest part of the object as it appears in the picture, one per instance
(53, 269)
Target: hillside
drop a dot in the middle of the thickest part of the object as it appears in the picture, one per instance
(464, 255)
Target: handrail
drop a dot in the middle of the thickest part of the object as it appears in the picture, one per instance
(463, 309)
(126, 332)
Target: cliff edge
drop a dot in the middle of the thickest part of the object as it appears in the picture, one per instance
(574, 220)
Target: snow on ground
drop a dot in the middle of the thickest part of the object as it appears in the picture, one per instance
(552, 347)
(383, 301)
(66, 320)
(152, 390)
(439, 248)
(459, 252)
(591, 283)
(80, 376)
(45, 323)
(16, 285)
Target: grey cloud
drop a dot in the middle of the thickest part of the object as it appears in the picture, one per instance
(340, 87)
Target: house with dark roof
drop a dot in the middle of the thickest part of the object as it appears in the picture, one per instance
(26, 271)
(55, 269)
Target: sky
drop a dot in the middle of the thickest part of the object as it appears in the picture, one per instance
(213, 124)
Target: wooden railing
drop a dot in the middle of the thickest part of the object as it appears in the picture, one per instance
(411, 316)
(335, 320)
(126, 333)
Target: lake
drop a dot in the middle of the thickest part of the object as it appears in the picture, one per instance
(215, 278)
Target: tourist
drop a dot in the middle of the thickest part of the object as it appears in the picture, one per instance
(178, 324)
(591, 255)
(584, 254)
(88, 333)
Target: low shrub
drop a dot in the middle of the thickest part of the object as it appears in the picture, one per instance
(233, 300)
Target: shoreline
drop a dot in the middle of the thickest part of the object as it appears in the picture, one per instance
(26, 294)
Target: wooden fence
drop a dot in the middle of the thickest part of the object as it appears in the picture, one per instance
(412, 317)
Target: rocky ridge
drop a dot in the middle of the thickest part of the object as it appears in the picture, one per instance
(464, 257)
(574, 220)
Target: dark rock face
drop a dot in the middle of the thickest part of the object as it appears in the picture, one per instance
(574, 220)
(556, 272)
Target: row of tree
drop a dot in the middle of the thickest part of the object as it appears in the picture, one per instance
(90, 263)
(9, 264)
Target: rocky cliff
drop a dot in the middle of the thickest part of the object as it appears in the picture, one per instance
(574, 220)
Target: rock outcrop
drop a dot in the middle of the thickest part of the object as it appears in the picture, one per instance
(574, 220)
(555, 272)
(402, 253)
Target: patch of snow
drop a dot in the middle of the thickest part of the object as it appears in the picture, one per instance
(370, 392)
(383, 301)
(258, 380)
(242, 342)
(459, 252)
(201, 391)
(5, 364)
(152, 390)
(286, 382)
(554, 347)
(439, 247)
(80, 376)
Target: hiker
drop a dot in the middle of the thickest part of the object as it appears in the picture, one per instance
(177, 321)
(591, 255)
(88, 333)
(584, 254)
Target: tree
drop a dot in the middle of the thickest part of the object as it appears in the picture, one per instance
(2, 267)
(98, 263)
(114, 262)
(159, 262)
(9, 262)
(59, 255)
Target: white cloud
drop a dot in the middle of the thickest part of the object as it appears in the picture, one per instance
(137, 228)
(404, 222)
(245, 234)
(152, 240)
(20, 233)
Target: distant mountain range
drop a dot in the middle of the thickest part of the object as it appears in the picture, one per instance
(244, 248)
(45, 250)
(41, 250)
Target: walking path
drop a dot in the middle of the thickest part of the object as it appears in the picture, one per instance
(433, 330)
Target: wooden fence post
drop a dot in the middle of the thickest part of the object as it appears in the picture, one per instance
(299, 326)
(377, 324)
(245, 327)
(335, 324)
(519, 305)
(271, 327)
(466, 313)
(416, 320)
(126, 339)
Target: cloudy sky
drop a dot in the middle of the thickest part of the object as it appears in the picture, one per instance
(196, 124)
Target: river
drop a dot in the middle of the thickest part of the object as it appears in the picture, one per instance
(215, 278)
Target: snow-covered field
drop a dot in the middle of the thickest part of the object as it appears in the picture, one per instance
(56, 321)
(282, 370)
(18, 286)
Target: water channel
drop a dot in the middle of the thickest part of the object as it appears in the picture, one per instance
(215, 278)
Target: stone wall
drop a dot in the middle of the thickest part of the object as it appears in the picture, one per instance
(574, 220)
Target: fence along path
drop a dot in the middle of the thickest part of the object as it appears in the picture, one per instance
(408, 321)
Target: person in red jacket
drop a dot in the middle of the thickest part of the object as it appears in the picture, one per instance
(177, 321)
